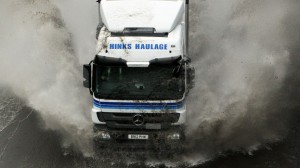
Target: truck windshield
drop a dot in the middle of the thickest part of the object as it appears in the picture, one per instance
(156, 82)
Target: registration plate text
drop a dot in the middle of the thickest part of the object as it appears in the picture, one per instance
(135, 136)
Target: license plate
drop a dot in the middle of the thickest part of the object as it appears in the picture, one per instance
(135, 136)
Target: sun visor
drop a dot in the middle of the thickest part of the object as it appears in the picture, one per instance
(138, 64)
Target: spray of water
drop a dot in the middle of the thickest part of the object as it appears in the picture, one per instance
(239, 50)
(241, 56)
(81, 20)
(39, 64)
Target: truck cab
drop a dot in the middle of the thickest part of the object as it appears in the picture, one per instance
(141, 73)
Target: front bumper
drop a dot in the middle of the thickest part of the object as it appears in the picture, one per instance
(172, 138)
(95, 111)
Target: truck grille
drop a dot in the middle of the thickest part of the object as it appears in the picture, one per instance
(131, 120)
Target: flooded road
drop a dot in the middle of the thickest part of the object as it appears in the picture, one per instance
(23, 143)
(224, 42)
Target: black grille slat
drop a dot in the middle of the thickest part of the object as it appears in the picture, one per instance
(112, 124)
(116, 125)
(112, 117)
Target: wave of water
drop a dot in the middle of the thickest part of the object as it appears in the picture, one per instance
(39, 64)
(241, 51)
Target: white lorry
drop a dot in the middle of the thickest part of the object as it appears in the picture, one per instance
(140, 76)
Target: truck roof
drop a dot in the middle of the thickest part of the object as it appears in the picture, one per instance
(162, 15)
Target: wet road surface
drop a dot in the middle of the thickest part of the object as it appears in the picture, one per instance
(23, 143)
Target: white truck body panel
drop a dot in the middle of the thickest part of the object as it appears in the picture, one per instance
(163, 15)
(141, 49)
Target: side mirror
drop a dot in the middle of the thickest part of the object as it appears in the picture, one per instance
(87, 75)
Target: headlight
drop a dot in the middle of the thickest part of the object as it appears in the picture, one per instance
(174, 136)
(103, 135)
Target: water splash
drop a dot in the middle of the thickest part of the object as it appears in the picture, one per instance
(241, 55)
(39, 64)
(239, 48)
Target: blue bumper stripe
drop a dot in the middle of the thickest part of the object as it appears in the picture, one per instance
(137, 105)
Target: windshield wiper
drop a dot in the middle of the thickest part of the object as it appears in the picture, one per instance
(176, 71)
